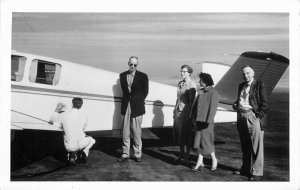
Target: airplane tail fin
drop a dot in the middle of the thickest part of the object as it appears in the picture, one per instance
(211, 68)
(268, 67)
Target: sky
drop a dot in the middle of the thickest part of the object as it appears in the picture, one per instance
(162, 41)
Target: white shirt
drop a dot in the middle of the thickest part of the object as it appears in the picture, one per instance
(74, 124)
(244, 96)
(130, 77)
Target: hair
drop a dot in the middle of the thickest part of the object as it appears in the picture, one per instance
(77, 102)
(189, 68)
(133, 57)
(247, 66)
(206, 78)
(60, 107)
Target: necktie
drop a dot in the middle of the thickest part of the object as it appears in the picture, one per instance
(130, 80)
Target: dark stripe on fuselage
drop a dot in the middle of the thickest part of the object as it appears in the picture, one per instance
(37, 89)
(71, 94)
(29, 116)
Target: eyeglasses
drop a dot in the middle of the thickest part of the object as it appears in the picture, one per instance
(131, 64)
(183, 71)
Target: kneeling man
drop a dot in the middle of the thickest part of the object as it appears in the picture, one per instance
(76, 142)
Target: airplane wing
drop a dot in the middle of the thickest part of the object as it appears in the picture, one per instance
(268, 67)
(23, 121)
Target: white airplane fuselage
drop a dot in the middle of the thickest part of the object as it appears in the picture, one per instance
(33, 102)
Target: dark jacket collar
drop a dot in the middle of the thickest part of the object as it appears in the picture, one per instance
(136, 71)
(207, 89)
(253, 82)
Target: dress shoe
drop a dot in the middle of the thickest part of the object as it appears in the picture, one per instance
(187, 161)
(240, 172)
(178, 161)
(72, 162)
(138, 159)
(214, 166)
(255, 178)
(198, 169)
(81, 157)
(123, 159)
(72, 156)
(187, 158)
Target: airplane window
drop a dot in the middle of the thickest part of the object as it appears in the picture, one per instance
(17, 67)
(44, 72)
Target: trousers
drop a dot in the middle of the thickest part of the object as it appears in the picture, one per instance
(131, 127)
(251, 137)
(84, 144)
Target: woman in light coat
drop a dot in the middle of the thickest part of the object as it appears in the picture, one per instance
(186, 91)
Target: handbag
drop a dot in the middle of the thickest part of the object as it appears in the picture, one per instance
(199, 126)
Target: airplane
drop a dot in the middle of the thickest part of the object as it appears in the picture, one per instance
(38, 83)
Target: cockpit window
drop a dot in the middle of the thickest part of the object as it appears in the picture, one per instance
(44, 72)
(17, 67)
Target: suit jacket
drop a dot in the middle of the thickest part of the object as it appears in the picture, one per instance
(138, 94)
(258, 99)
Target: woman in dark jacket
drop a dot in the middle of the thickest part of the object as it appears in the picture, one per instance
(203, 112)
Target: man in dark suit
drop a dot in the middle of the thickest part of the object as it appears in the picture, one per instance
(251, 106)
(134, 85)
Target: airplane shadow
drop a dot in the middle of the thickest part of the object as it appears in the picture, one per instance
(163, 148)
(30, 146)
(115, 148)
(109, 145)
(172, 154)
(157, 155)
(113, 145)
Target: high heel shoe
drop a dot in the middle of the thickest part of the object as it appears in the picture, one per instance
(214, 167)
(187, 161)
(178, 161)
(198, 169)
